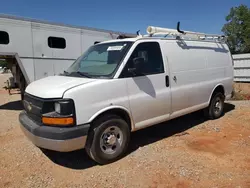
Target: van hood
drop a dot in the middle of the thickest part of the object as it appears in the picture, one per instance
(55, 86)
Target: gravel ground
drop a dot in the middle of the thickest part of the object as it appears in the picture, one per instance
(185, 152)
(4, 78)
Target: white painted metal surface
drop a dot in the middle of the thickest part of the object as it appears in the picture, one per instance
(55, 86)
(241, 67)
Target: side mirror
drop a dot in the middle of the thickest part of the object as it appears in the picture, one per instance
(137, 65)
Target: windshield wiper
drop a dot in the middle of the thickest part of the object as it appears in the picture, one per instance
(83, 74)
(64, 73)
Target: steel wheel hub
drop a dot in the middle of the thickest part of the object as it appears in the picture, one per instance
(218, 106)
(111, 140)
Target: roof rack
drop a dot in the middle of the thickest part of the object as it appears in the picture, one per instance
(179, 34)
(122, 36)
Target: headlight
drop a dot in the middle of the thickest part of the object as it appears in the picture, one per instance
(64, 107)
(57, 107)
(60, 112)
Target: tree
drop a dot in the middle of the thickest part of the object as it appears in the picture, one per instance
(3, 63)
(237, 29)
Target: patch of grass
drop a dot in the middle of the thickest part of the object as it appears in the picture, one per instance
(3, 63)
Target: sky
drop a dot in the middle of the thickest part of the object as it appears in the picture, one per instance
(127, 16)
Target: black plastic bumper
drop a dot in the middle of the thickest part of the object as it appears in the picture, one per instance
(54, 138)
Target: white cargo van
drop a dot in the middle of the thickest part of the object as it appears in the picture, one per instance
(120, 86)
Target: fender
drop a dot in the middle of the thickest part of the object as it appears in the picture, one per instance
(114, 107)
(220, 84)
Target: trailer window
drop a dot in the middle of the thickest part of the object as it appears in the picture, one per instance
(4, 37)
(56, 42)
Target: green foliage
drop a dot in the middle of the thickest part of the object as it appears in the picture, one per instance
(3, 63)
(237, 29)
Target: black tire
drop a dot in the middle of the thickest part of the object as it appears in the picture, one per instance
(216, 106)
(97, 135)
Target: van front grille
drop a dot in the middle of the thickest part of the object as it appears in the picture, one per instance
(33, 107)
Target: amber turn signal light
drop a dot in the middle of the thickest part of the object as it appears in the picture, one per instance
(57, 121)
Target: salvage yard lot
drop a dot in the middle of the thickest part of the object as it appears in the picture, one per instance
(187, 152)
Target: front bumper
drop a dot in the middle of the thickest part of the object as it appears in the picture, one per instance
(63, 139)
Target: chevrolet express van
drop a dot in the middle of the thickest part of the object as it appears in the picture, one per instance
(120, 86)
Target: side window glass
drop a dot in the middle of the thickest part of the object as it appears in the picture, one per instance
(56, 42)
(4, 37)
(151, 54)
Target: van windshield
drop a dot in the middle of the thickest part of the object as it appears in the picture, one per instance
(101, 60)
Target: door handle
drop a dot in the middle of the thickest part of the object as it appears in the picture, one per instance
(167, 80)
(174, 78)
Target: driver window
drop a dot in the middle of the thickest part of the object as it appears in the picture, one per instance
(153, 63)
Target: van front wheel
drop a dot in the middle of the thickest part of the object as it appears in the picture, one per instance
(216, 106)
(108, 139)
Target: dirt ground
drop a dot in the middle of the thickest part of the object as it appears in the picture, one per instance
(186, 152)
(241, 91)
(3, 79)
(242, 87)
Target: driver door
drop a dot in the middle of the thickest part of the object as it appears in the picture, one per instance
(149, 91)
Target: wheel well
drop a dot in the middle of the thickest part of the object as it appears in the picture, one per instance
(219, 89)
(119, 112)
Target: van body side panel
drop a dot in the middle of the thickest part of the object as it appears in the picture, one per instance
(196, 68)
(187, 66)
(93, 97)
(229, 74)
(219, 69)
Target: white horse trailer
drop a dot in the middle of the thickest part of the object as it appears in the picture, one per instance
(36, 49)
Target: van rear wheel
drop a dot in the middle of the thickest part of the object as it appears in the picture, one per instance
(216, 106)
(108, 139)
